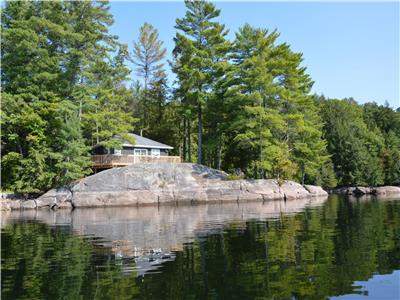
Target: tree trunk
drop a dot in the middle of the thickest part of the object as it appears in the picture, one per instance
(199, 116)
(20, 150)
(219, 153)
(97, 131)
(184, 139)
(189, 142)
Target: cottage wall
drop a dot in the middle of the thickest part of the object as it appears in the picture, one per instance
(126, 151)
(131, 151)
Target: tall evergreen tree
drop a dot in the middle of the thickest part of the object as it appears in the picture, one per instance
(106, 114)
(34, 36)
(148, 55)
(200, 45)
(275, 130)
(49, 50)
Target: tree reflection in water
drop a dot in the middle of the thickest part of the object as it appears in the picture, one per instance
(213, 252)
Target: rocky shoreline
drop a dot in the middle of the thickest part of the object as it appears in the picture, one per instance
(358, 191)
(162, 184)
(175, 184)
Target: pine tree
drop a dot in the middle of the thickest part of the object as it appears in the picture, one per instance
(71, 150)
(199, 49)
(106, 114)
(33, 44)
(50, 54)
(148, 52)
(274, 125)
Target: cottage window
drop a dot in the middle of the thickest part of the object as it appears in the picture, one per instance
(140, 152)
(155, 152)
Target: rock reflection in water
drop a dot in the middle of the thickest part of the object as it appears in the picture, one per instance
(238, 251)
(150, 235)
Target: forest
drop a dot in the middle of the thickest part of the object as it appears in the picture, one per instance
(244, 105)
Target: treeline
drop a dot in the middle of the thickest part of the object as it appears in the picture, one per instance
(363, 141)
(243, 106)
(63, 89)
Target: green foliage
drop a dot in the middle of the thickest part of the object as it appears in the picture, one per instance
(234, 177)
(200, 49)
(105, 114)
(61, 91)
(314, 254)
(242, 105)
(148, 52)
(326, 176)
(157, 115)
(386, 121)
(360, 148)
(274, 130)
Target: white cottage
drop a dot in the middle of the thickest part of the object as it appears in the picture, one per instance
(144, 150)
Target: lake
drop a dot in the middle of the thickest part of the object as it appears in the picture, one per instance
(335, 248)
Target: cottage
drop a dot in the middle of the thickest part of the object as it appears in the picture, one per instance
(144, 150)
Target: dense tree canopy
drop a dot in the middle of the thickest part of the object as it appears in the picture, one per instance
(200, 47)
(242, 105)
(274, 125)
(63, 89)
(363, 141)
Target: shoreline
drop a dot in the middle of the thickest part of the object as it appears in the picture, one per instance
(359, 191)
(63, 198)
(148, 184)
(245, 192)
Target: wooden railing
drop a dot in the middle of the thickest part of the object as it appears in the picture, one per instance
(112, 160)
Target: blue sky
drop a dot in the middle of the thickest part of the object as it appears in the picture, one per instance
(350, 49)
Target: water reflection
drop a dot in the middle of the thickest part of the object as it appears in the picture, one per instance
(308, 249)
(132, 231)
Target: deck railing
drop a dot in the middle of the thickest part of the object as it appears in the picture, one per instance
(112, 160)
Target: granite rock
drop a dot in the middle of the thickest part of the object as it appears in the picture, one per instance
(178, 184)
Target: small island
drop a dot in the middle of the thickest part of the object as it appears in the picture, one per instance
(199, 150)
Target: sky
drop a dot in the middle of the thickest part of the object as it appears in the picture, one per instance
(350, 49)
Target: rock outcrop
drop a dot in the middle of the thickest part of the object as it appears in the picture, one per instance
(386, 191)
(383, 191)
(157, 184)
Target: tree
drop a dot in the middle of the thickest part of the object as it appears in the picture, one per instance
(148, 52)
(386, 121)
(51, 52)
(274, 127)
(34, 107)
(198, 50)
(71, 150)
(355, 149)
(106, 115)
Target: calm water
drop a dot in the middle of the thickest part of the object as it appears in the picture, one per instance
(336, 248)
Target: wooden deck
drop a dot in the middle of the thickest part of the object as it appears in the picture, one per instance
(112, 160)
